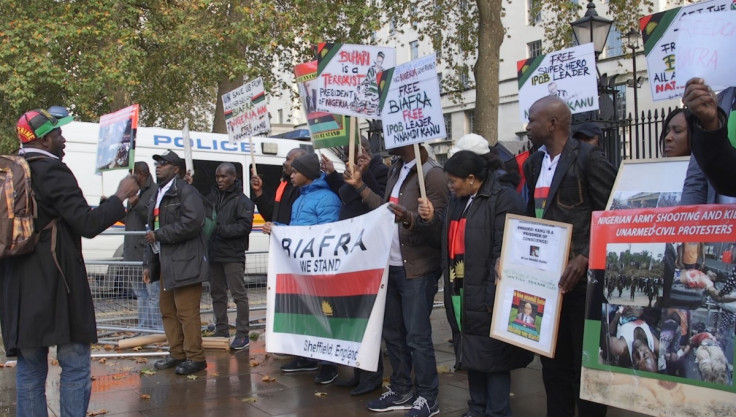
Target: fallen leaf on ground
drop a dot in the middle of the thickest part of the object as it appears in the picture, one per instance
(320, 394)
(102, 360)
(137, 348)
(119, 377)
(215, 373)
(249, 400)
(109, 347)
(444, 369)
(148, 371)
(97, 412)
(10, 364)
(192, 377)
(55, 362)
(126, 369)
(253, 364)
(141, 360)
(145, 396)
(267, 378)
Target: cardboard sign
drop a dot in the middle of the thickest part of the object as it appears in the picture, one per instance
(410, 104)
(569, 74)
(348, 77)
(245, 109)
(706, 48)
(660, 35)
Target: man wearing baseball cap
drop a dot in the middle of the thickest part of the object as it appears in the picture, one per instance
(589, 132)
(44, 295)
(177, 257)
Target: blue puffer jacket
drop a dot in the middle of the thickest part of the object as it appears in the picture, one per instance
(317, 204)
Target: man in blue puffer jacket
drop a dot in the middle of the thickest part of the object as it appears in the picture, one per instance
(317, 204)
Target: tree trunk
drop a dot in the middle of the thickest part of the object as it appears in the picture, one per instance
(490, 37)
(224, 86)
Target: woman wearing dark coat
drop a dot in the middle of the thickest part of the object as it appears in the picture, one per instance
(477, 211)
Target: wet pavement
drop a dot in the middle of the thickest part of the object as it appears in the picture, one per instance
(250, 383)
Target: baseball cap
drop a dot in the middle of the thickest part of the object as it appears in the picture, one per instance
(170, 157)
(470, 142)
(589, 130)
(38, 123)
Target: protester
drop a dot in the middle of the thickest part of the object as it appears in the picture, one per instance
(589, 133)
(316, 204)
(710, 142)
(414, 271)
(177, 257)
(149, 316)
(472, 232)
(277, 207)
(374, 174)
(567, 180)
(226, 248)
(46, 299)
(675, 138)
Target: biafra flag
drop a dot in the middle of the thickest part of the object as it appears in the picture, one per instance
(334, 306)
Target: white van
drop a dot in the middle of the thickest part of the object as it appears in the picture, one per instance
(208, 151)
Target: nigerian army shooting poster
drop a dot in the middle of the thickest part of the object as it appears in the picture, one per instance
(327, 289)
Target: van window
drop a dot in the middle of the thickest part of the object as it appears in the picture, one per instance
(270, 175)
(204, 174)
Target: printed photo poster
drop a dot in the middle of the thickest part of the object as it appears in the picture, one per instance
(660, 35)
(327, 289)
(527, 304)
(649, 183)
(348, 76)
(706, 48)
(661, 342)
(116, 141)
(410, 103)
(569, 74)
(246, 114)
(326, 129)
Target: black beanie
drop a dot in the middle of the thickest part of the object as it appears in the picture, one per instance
(308, 165)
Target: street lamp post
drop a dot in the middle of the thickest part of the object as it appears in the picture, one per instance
(633, 43)
(592, 28)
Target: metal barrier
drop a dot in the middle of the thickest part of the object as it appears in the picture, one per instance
(116, 305)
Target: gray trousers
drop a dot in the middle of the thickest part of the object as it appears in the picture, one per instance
(224, 276)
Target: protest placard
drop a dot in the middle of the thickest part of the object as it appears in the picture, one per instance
(116, 140)
(648, 183)
(706, 48)
(410, 103)
(245, 109)
(526, 310)
(661, 342)
(348, 77)
(660, 33)
(327, 289)
(569, 74)
(326, 129)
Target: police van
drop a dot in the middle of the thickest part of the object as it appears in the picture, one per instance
(208, 151)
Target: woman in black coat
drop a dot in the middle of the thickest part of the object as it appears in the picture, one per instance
(472, 232)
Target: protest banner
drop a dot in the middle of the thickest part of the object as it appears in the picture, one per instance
(410, 103)
(246, 114)
(569, 74)
(348, 77)
(666, 345)
(326, 129)
(660, 33)
(327, 289)
(706, 48)
(526, 310)
(187, 142)
(648, 183)
(116, 140)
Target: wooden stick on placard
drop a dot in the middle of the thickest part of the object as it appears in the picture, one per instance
(351, 143)
(252, 155)
(141, 341)
(420, 171)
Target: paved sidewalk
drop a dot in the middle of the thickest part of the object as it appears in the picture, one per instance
(233, 384)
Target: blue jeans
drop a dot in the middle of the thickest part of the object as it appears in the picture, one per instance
(75, 383)
(489, 393)
(149, 315)
(408, 332)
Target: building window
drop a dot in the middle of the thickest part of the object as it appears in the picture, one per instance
(392, 26)
(470, 115)
(281, 116)
(613, 43)
(448, 126)
(414, 18)
(532, 20)
(620, 101)
(464, 77)
(534, 48)
(414, 49)
(439, 81)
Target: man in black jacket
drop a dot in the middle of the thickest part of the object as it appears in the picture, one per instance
(277, 207)
(177, 256)
(227, 247)
(45, 299)
(567, 180)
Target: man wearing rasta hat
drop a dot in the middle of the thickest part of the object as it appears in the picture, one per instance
(44, 295)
